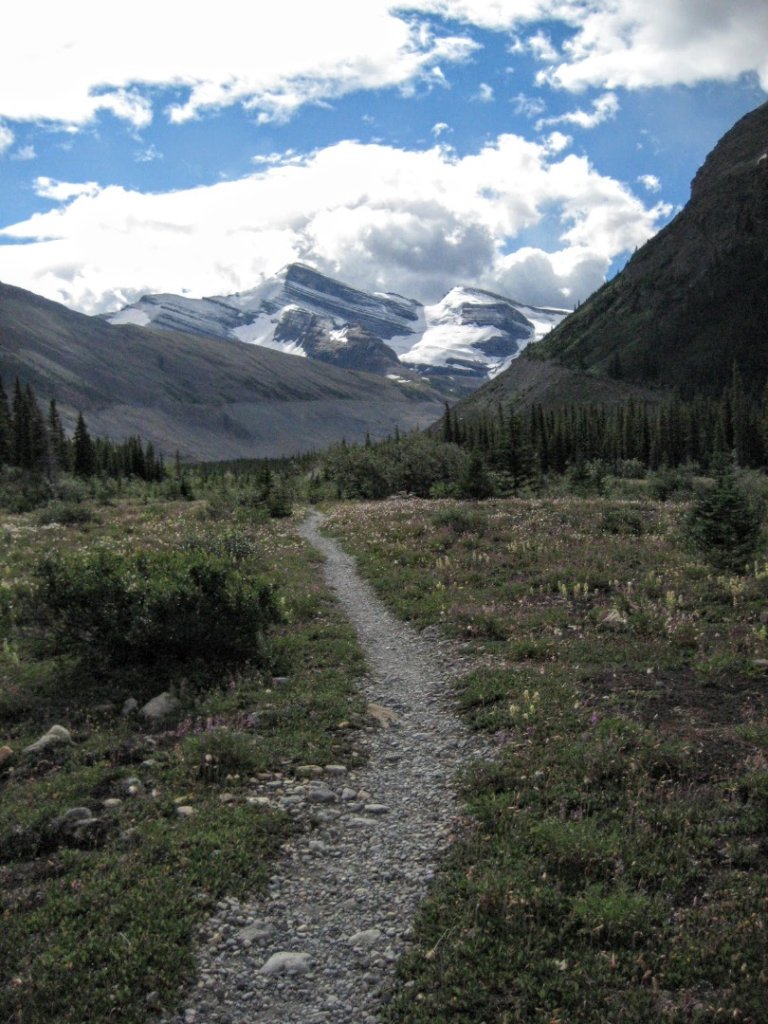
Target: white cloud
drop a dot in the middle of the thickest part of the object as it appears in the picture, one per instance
(604, 108)
(630, 43)
(379, 217)
(24, 153)
(636, 44)
(439, 128)
(148, 155)
(61, 64)
(541, 47)
(650, 182)
(484, 93)
(6, 138)
(61, 191)
(531, 106)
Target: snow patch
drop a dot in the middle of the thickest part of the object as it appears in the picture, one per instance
(137, 317)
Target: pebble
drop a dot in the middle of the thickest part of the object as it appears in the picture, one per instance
(320, 947)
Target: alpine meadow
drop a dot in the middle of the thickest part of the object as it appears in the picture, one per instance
(384, 514)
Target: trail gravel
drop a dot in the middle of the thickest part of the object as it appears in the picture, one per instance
(322, 944)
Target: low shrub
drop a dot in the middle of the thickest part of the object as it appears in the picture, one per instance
(66, 513)
(174, 612)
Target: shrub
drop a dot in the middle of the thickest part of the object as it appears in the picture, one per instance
(172, 612)
(66, 513)
(461, 520)
(723, 526)
(622, 521)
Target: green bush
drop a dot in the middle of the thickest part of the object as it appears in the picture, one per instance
(723, 526)
(66, 513)
(174, 613)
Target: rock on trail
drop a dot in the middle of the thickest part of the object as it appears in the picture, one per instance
(321, 945)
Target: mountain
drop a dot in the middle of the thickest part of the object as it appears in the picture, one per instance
(465, 339)
(693, 301)
(192, 393)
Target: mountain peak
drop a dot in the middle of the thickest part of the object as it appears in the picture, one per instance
(466, 338)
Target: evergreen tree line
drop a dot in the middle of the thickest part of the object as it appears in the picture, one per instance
(627, 438)
(35, 441)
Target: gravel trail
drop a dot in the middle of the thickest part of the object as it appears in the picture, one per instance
(322, 944)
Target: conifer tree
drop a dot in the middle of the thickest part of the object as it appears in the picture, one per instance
(6, 439)
(83, 451)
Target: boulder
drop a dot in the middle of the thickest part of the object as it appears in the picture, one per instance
(56, 736)
(160, 707)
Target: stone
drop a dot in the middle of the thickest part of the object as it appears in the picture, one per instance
(382, 715)
(77, 827)
(335, 769)
(256, 932)
(365, 939)
(376, 809)
(130, 705)
(129, 787)
(160, 707)
(348, 794)
(6, 753)
(286, 963)
(111, 802)
(56, 736)
(321, 794)
(308, 771)
(185, 811)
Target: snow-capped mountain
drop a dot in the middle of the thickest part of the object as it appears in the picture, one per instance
(467, 338)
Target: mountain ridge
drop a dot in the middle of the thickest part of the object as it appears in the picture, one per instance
(469, 336)
(194, 394)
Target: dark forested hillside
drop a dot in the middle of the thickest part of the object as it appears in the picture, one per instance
(694, 300)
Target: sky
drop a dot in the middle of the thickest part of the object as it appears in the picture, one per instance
(523, 146)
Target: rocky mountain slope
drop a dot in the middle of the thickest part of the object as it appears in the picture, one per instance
(694, 299)
(468, 337)
(207, 399)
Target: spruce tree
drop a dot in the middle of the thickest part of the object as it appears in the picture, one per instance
(722, 526)
(84, 453)
(5, 427)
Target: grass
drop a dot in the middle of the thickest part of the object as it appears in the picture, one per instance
(615, 865)
(105, 931)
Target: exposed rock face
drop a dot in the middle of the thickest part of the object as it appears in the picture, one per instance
(694, 299)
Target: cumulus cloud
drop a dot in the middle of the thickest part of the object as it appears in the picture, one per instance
(303, 52)
(484, 93)
(630, 43)
(634, 44)
(650, 182)
(61, 191)
(60, 62)
(604, 108)
(377, 216)
(6, 138)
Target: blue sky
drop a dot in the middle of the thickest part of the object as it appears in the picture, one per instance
(526, 146)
